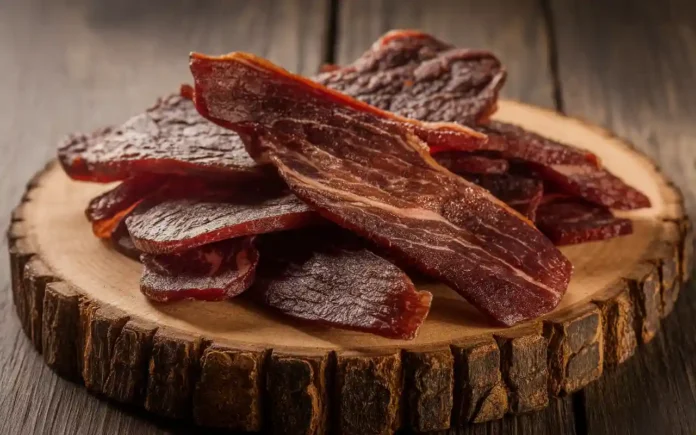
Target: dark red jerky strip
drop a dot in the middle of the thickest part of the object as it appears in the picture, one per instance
(121, 242)
(106, 211)
(415, 75)
(173, 225)
(595, 185)
(515, 142)
(212, 272)
(463, 163)
(169, 138)
(571, 221)
(522, 194)
(368, 172)
(327, 279)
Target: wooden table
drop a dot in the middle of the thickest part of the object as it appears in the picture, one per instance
(624, 64)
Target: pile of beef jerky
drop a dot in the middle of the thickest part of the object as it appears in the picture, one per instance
(307, 193)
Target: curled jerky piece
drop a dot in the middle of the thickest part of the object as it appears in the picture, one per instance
(106, 211)
(463, 163)
(571, 221)
(368, 171)
(522, 194)
(212, 272)
(415, 75)
(173, 225)
(122, 242)
(169, 138)
(326, 278)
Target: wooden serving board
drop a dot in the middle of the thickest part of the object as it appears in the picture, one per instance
(234, 365)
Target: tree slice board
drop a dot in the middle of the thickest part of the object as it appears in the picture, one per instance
(237, 366)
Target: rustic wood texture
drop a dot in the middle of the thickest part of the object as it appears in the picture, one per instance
(200, 368)
(628, 66)
(76, 66)
(517, 36)
(34, 400)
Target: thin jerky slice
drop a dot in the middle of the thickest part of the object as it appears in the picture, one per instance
(571, 221)
(522, 194)
(169, 138)
(515, 142)
(328, 279)
(468, 163)
(122, 242)
(107, 210)
(416, 75)
(213, 272)
(172, 225)
(595, 185)
(367, 171)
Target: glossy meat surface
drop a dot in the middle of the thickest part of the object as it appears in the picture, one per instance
(371, 173)
(213, 272)
(326, 278)
(415, 75)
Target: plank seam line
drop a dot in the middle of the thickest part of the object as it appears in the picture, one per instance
(552, 48)
(331, 41)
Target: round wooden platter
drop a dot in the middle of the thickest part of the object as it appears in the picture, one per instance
(234, 365)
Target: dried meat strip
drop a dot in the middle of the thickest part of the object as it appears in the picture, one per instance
(172, 225)
(416, 75)
(595, 185)
(107, 210)
(212, 272)
(122, 242)
(325, 279)
(463, 163)
(169, 138)
(522, 194)
(367, 171)
(571, 221)
(515, 142)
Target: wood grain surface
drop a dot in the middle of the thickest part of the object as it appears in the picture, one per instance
(79, 64)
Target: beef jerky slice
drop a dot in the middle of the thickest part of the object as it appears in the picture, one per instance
(417, 76)
(327, 279)
(571, 221)
(212, 272)
(515, 142)
(595, 185)
(367, 171)
(170, 137)
(160, 226)
(107, 210)
(122, 242)
(522, 194)
(463, 163)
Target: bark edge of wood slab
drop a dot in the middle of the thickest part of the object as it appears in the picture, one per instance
(235, 366)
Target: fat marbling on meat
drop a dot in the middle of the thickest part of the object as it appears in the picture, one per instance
(370, 171)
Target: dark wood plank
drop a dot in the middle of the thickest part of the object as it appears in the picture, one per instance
(515, 31)
(78, 65)
(629, 66)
